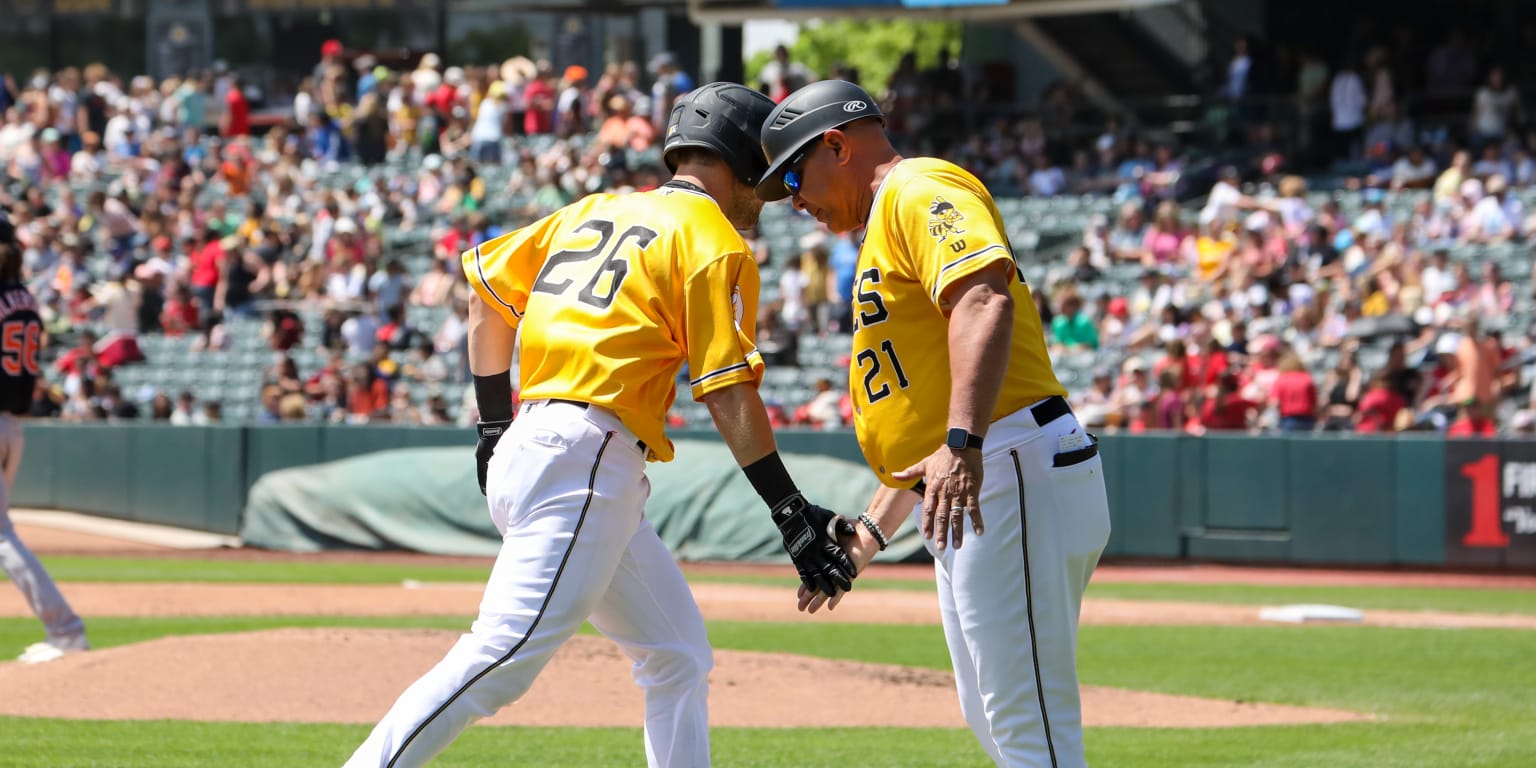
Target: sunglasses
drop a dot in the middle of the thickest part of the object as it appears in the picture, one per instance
(795, 175)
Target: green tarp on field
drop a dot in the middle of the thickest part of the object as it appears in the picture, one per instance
(427, 500)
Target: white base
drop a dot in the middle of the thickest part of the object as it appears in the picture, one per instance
(1302, 614)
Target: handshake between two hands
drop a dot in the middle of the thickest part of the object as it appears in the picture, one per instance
(825, 548)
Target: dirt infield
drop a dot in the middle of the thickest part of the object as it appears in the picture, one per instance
(732, 602)
(352, 676)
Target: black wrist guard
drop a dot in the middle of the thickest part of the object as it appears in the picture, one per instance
(493, 395)
(770, 479)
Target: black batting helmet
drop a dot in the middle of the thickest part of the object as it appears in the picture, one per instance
(724, 118)
(801, 119)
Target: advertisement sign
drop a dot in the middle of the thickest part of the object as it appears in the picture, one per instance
(1490, 499)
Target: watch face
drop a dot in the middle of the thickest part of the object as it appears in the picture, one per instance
(956, 439)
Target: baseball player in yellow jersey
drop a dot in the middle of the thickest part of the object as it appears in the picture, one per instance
(605, 300)
(954, 395)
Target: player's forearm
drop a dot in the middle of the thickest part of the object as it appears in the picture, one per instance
(742, 421)
(491, 340)
(980, 333)
(889, 508)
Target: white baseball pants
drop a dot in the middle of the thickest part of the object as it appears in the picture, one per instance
(20, 565)
(1010, 598)
(567, 489)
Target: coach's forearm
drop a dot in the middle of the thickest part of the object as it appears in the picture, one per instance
(491, 340)
(980, 333)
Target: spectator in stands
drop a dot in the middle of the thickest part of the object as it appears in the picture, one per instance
(435, 287)
(1492, 163)
(671, 82)
(1495, 109)
(160, 407)
(235, 119)
(1380, 405)
(778, 343)
(571, 103)
(1094, 406)
(368, 128)
(1294, 395)
(792, 294)
(1348, 100)
(367, 393)
(1414, 170)
(624, 129)
(822, 411)
(781, 76)
(490, 125)
(1072, 328)
(284, 375)
(1170, 407)
(185, 413)
(1164, 239)
(1448, 185)
(1344, 387)
(844, 262)
(1227, 409)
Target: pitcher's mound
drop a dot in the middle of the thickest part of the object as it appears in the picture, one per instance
(353, 675)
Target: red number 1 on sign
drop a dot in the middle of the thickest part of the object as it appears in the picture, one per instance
(1485, 531)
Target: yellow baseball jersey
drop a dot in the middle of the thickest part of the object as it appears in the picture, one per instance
(613, 293)
(931, 224)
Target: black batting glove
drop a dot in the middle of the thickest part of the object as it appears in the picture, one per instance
(490, 433)
(810, 537)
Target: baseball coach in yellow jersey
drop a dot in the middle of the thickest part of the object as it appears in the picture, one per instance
(954, 396)
(612, 294)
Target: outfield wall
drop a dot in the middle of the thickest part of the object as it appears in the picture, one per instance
(1407, 500)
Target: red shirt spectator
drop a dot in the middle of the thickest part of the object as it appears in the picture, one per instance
(180, 314)
(442, 99)
(1468, 425)
(367, 398)
(540, 96)
(1379, 406)
(1208, 367)
(237, 112)
(1296, 395)
(458, 240)
(206, 264)
(1228, 412)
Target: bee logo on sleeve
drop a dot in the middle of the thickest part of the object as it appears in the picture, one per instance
(944, 219)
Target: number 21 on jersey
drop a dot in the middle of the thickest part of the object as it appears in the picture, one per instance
(870, 310)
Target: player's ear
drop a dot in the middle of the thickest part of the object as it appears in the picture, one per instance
(837, 144)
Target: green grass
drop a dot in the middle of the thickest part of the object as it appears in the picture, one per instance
(106, 744)
(1379, 598)
(150, 569)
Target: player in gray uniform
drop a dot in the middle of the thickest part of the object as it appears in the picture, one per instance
(20, 337)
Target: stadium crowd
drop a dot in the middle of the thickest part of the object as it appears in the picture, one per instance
(154, 209)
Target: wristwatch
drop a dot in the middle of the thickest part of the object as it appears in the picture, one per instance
(960, 439)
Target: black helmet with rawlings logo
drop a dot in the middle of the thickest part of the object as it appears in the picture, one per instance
(800, 120)
(724, 118)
